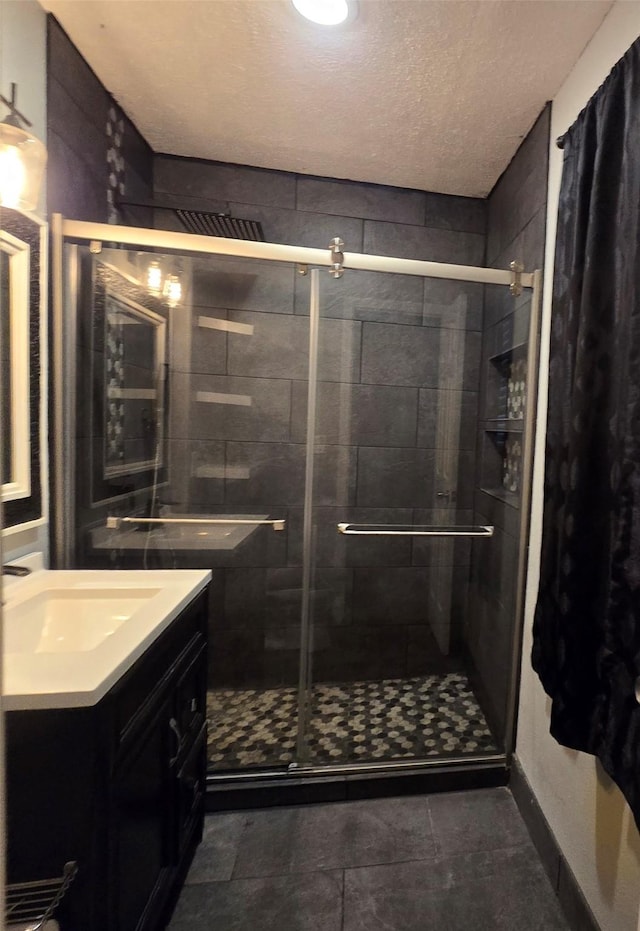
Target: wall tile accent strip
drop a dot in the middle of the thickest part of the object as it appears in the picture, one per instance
(115, 161)
(87, 163)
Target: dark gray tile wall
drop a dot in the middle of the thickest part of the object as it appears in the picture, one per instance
(395, 423)
(515, 232)
(78, 108)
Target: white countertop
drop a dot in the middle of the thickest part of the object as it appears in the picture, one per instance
(80, 679)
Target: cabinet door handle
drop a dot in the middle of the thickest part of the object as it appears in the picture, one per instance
(173, 724)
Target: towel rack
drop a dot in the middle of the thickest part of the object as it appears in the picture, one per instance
(414, 530)
(35, 902)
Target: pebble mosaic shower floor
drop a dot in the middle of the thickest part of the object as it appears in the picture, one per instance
(383, 720)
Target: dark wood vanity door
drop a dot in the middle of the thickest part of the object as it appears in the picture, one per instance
(141, 824)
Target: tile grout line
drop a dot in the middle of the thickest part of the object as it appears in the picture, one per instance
(289, 873)
(245, 819)
(436, 842)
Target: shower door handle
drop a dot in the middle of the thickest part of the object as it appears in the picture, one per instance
(414, 530)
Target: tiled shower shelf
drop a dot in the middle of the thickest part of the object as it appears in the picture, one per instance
(503, 425)
(507, 497)
(506, 355)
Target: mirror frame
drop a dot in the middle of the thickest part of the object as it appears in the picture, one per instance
(25, 499)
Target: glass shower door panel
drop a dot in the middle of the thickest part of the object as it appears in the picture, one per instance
(397, 416)
(491, 630)
(190, 433)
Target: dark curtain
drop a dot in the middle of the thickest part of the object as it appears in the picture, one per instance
(587, 623)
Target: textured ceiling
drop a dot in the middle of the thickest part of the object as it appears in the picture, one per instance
(427, 94)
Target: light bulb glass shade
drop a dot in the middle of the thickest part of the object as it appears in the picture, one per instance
(172, 290)
(323, 12)
(22, 162)
(154, 277)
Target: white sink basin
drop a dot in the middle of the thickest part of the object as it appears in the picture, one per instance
(67, 620)
(69, 635)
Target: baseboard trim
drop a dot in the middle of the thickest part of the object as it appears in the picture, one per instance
(574, 905)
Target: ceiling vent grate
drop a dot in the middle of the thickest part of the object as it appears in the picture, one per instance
(220, 224)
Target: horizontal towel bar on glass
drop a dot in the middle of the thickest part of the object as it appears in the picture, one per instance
(114, 523)
(416, 530)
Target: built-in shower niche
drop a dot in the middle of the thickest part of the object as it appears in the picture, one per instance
(502, 436)
(506, 396)
(502, 464)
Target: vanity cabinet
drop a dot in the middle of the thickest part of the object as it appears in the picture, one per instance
(119, 787)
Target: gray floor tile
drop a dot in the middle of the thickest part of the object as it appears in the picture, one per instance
(491, 891)
(503, 890)
(298, 840)
(487, 819)
(216, 855)
(396, 897)
(312, 902)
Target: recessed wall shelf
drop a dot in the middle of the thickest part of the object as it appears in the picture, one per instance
(507, 384)
(507, 497)
(503, 426)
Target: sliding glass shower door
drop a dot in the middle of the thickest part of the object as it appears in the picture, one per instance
(189, 430)
(396, 423)
(341, 453)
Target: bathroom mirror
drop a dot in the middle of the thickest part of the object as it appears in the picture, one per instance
(22, 331)
(127, 380)
(14, 319)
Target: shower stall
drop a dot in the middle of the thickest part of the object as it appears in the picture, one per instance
(346, 441)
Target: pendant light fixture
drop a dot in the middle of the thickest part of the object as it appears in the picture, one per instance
(22, 159)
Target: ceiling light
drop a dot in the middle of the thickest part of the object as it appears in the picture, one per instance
(323, 12)
(22, 160)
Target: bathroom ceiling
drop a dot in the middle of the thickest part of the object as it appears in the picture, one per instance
(427, 94)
